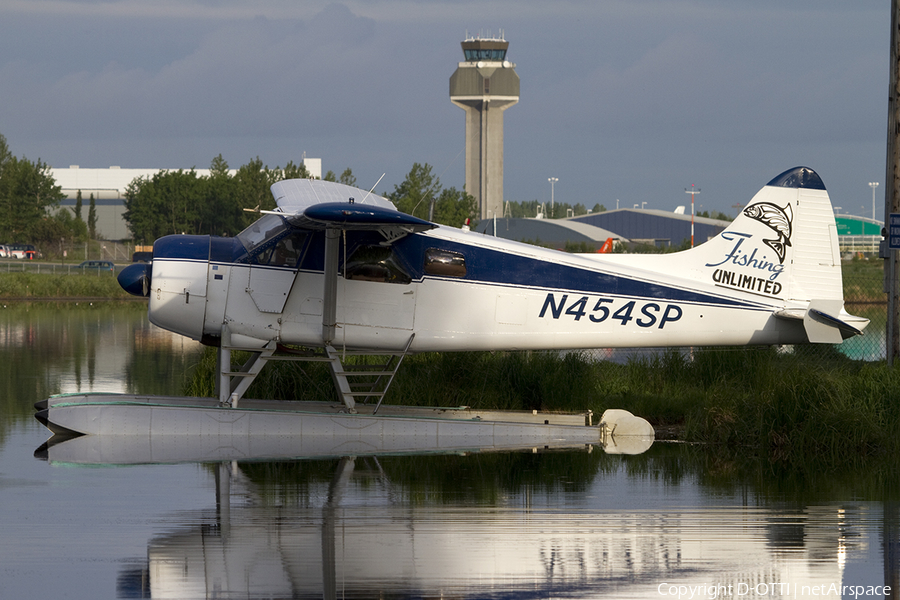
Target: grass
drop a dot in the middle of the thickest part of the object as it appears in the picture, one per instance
(863, 280)
(37, 286)
(783, 407)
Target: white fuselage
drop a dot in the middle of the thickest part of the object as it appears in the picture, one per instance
(196, 298)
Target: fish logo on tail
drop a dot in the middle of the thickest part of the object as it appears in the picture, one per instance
(777, 219)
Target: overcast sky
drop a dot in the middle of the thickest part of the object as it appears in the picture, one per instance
(620, 99)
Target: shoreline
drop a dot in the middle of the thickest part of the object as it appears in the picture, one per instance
(71, 299)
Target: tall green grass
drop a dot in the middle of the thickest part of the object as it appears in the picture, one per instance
(45, 286)
(863, 280)
(782, 406)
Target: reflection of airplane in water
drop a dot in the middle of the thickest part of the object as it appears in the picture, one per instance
(362, 535)
(337, 271)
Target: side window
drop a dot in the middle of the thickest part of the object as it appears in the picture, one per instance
(375, 263)
(445, 263)
(286, 252)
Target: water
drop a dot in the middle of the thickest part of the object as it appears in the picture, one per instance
(675, 521)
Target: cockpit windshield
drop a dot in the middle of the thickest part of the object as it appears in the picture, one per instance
(271, 241)
(261, 231)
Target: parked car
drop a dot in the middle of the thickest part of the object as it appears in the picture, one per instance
(97, 265)
(26, 251)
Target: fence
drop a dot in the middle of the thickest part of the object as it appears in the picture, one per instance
(864, 296)
(65, 251)
(32, 266)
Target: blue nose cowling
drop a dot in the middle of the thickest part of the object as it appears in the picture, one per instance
(135, 279)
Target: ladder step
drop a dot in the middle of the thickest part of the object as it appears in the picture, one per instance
(362, 373)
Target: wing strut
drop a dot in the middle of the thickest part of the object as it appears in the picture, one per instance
(329, 300)
(228, 391)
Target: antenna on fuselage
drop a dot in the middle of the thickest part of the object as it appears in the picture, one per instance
(373, 187)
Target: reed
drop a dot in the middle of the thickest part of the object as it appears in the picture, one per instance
(39, 286)
(782, 406)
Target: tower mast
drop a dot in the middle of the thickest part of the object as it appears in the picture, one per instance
(484, 85)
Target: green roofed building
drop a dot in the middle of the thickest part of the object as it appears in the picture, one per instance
(858, 234)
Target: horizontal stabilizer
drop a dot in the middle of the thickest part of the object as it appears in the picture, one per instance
(846, 328)
(821, 326)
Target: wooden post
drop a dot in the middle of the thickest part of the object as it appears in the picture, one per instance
(892, 185)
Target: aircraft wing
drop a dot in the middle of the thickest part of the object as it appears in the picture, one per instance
(295, 195)
(317, 204)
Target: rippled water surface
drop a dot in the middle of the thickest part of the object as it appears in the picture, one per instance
(677, 521)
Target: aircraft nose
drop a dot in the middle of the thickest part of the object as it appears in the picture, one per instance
(135, 279)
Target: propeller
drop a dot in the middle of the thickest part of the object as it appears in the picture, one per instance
(135, 279)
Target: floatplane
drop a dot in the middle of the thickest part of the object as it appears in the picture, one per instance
(339, 272)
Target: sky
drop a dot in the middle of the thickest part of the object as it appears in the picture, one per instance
(624, 101)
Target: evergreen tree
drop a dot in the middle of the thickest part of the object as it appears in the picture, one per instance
(27, 193)
(347, 178)
(416, 193)
(78, 206)
(92, 218)
(453, 207)
(292, 171)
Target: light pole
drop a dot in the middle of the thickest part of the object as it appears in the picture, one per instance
(873, 185)
(693, 192)
(552, 181)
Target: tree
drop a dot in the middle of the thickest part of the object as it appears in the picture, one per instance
(415, 194)
(253, 181)
(4, 152)
(166, 203)
(221, 205)
(218, 167)
(420, 195)
(92, 218)
(78, 205)
(292, 171)
(454, 206)
(182, 202)
(347, 178)
(27, 193)
(62, 225)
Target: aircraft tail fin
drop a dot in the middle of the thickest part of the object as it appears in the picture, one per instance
(784, 246)
(786, 235)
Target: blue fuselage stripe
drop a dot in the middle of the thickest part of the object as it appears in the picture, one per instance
(486, 266)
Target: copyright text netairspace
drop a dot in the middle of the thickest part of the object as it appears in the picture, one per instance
(775, 590)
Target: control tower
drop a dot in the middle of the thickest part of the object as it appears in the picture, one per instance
(484, 85)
